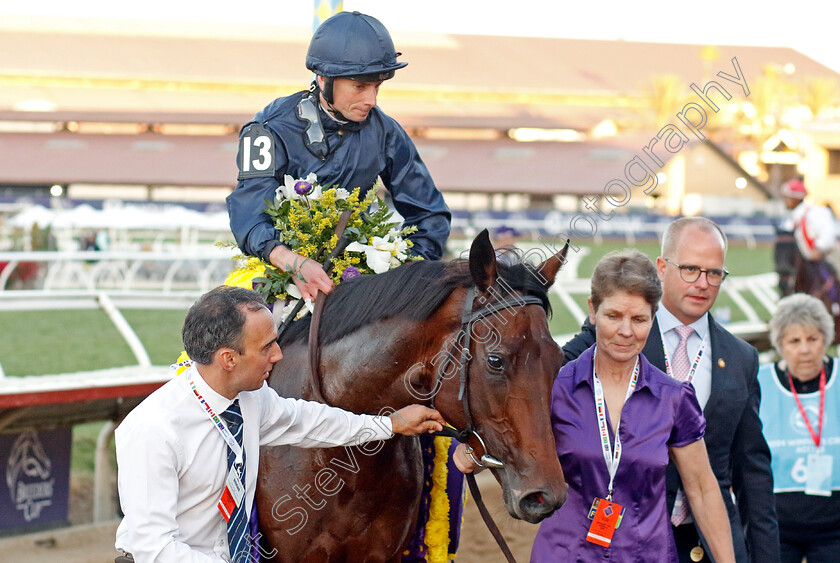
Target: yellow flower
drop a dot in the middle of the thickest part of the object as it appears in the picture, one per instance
(437, 528)
(242, 276)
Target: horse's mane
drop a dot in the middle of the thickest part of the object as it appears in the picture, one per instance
(413, 291)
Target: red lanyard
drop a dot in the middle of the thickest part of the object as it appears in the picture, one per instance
(815, 437)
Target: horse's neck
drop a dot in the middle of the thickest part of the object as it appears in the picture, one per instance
(387, 364)
(368, 368)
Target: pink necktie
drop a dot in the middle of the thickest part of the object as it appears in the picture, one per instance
(679, 371)
(680, 363)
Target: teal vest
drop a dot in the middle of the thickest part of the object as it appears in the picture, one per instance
(787, 435)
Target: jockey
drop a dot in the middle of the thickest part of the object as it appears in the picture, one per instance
(813, 225)
(335, 130)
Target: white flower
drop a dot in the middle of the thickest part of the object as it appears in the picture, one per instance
(286, 190)
(377, 255)
(341, 194)
(294, 293)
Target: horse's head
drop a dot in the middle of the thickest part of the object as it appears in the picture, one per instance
(512, 363)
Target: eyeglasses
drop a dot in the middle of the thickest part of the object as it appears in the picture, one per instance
(691, 274)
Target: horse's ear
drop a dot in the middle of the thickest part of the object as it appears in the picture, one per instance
(552, 265)
(483, 261)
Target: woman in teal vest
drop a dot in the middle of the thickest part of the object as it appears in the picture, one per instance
(800, 411)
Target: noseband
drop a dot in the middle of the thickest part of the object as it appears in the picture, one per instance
(468, 318)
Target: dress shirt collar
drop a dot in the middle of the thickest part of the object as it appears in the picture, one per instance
(218, 403)
(583, 372)
(667, 322)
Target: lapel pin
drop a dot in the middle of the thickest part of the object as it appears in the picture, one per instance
(721, 363)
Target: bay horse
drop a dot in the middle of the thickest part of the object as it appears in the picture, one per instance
(388, 341)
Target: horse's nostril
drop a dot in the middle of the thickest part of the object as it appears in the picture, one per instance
(537, 505)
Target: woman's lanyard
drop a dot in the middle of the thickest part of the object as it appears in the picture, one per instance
(817, 437)
(694, 365)
(220, 426)
(612, 456)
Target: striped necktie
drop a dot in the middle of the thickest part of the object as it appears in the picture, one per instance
(680, 367)
(239, 539)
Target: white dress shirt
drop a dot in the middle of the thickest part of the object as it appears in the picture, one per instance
(172, 462)
(702, 380)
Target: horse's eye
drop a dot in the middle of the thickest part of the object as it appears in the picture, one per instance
(495, 362)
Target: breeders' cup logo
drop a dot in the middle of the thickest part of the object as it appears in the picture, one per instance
(28, 476)
(798, 424)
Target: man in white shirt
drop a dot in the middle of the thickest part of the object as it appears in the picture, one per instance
(182, 473)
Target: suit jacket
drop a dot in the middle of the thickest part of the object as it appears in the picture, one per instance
(737, 449)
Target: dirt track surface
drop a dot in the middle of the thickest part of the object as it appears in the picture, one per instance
(477, 545)
(89, 543)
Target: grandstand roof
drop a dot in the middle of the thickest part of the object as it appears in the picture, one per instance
(155, 75)
(452, 80)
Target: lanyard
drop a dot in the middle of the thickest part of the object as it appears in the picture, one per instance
(220, 426)
(612, 456)
(694, 365)
(816, 437)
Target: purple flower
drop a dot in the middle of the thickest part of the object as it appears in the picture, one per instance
(350, 272)
(302, 187)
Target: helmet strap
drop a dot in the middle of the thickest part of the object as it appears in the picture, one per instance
(327, 92)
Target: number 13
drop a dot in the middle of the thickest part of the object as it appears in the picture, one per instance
(263, 160)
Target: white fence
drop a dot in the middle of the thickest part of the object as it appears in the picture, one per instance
(124, 271)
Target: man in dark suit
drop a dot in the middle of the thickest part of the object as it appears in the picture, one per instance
(723, 370)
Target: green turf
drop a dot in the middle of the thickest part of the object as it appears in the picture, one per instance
(50, 342)
(84, 447)
(41, 342)
(159, 331)
(740, 260)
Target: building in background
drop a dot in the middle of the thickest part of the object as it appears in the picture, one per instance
(150, 111)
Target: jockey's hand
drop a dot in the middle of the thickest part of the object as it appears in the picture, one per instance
(416, 419)
(464, 462)
(309, 276)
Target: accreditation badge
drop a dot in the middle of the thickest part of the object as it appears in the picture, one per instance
(606, 518)
(818, 482)
(232, 495)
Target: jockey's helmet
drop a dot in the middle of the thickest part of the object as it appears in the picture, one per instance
(352, 45)
(794, 189)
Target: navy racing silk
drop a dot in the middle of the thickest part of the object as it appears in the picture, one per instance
(272, 145)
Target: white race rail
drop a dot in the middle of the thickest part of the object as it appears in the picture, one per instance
(127, 271)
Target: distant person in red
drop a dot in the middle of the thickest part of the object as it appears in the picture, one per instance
(815, 234)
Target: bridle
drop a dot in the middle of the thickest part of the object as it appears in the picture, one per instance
(468, 318)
